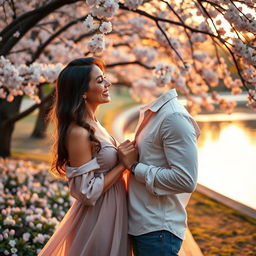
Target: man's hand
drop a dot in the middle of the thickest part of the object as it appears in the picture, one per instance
(127, 153)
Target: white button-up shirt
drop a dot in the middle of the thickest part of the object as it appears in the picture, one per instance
(167, 170)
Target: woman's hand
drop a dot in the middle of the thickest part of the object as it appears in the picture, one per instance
(128, 154)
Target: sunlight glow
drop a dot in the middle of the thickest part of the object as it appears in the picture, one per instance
(129, 136)
(227, 164)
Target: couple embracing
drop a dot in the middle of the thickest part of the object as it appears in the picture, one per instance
(162, 161)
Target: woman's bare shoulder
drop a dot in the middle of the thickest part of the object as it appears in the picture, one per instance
(76, 132)
(78, 145)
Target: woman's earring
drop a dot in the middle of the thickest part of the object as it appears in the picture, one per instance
(84, 98)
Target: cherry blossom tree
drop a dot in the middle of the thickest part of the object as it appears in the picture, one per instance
(199, 47)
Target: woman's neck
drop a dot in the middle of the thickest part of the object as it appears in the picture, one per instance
(90, 113)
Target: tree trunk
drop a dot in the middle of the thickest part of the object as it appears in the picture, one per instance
(7, 111)
(42, 122)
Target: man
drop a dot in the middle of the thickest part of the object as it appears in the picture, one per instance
(163, 178)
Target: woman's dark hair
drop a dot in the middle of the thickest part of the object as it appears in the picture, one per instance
(69, 106)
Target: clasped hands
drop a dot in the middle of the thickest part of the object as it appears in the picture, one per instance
(127, 153)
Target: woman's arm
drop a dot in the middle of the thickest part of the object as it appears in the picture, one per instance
(113, 176)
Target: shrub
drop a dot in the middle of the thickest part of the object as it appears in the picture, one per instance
(32, 203)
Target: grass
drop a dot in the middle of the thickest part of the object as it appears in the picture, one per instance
(31, 156)
(220, 230)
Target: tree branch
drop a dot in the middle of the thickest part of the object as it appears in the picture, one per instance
(29, 110)
(155, 19)
(129, 63)
(41, 48)
(25, 22)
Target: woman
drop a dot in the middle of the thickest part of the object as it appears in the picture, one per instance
(96, 224)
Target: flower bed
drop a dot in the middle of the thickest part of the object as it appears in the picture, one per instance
(32, 203)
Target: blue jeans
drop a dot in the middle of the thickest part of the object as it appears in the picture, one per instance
(158, 243)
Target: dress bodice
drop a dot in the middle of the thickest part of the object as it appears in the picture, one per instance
(107, 156)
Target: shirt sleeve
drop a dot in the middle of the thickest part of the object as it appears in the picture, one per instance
(179, 133)
(84, 184)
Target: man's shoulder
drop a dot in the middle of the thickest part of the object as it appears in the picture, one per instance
(171, 107)
(175, 114)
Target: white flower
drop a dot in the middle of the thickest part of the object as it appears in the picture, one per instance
(88, 24)
(137, 23)
(163, 79)
(39, 210)
(6, 252)
(26, 236)
(62, 213)
(211, 77)
(169, 68)
(98, 38)
(97, 43)
(29, 218)
(39, 226)
(9, 221)
(92, 2)
(145, 54)
(106, 27)
(133, 4)
(12, 232)
(110, 8)
(16, 34)
(14, 250)
(200, 56)
(12, 243)
(39, 238)
(159, 66)
(60, 200)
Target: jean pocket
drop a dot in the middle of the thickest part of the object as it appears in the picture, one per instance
(176, 243)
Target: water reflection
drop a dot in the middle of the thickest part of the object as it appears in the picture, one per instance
(227, 152)
(226, 159)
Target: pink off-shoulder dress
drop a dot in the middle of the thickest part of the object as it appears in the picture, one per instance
(96, 223)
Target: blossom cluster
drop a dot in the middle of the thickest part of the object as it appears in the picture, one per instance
(245, 52)
(163, 73)
(23, 79)
(205, 69)
(103, 10)
(143, 31)
(32, 203)
(240, 20)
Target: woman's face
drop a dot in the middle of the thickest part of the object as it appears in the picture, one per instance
(98, 92)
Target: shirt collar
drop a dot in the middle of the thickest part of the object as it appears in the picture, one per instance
(159, 102)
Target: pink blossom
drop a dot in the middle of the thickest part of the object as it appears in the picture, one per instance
(106, 27)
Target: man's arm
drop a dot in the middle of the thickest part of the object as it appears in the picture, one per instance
(179, 134)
